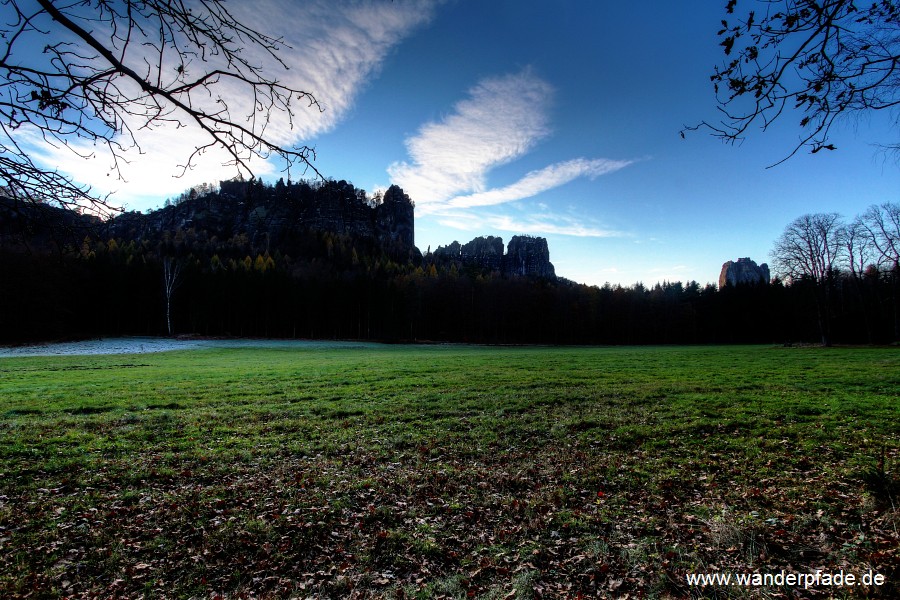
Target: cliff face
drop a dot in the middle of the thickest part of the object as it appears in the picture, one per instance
(525, 256)
(280, 217)
(528, 256)
(271, 215)
(395, 218)
(483, 252)
(744, 271)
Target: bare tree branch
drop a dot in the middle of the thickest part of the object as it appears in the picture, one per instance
(101, 70)
(880, 224)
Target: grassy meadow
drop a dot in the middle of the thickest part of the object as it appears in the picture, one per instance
(447, 471)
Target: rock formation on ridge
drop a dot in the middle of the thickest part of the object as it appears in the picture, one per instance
(525, 256)
(744, 271)
(269, 215)
(528, 256)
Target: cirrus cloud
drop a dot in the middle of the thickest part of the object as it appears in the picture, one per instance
(542, 180)
(543, 222)
(333, 49)
(501, 120)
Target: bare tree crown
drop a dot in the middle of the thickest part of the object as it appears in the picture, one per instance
(811, 246)
(818, 245)
(99, 71)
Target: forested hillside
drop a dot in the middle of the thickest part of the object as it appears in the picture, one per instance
(328, 261)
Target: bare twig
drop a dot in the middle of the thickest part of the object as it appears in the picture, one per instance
(110, 68)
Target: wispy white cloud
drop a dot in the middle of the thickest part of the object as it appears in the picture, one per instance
(544, 223)
(501, 120)
(147, 177)
(336, 47)
(541, 180)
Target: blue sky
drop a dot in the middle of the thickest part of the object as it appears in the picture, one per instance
(560, 119)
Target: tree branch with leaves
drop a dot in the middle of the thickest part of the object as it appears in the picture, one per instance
(816, 60)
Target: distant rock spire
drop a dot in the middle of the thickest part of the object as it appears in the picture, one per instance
(744, 271)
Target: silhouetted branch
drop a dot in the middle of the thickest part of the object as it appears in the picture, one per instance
(110, 68)
(823, 58)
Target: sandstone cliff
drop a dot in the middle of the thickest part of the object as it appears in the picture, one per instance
(742, 272)
(528, 256)
(269, 215)
(525, 256)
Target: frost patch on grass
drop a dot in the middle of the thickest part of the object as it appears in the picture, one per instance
(143, 345)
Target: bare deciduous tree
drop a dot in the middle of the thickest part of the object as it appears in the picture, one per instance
(816, 59)
(811, 249)
(98, 71)
(171, 281)
(811, 246)
(881, 224)
(859, 250)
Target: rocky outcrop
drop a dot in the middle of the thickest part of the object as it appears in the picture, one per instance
(395, 218)
(525, 256)
(449, 252)
(742, 272)
(271, 214)
(486, 251)
(282, 216)
(483, 252)
(528, 256)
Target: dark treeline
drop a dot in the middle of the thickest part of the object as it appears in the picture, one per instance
(344, 285)
(110, 289)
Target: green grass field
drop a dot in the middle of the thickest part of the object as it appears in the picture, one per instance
(447, 471)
